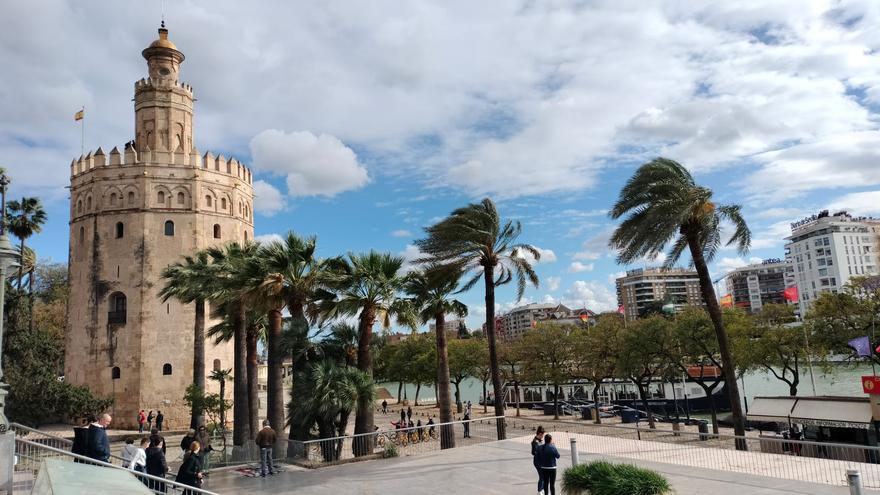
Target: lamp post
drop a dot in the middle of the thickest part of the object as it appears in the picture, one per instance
(8, 256)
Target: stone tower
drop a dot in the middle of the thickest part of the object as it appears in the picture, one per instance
(132, 213)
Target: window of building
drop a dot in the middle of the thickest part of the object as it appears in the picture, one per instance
(169, 227)
(113, 199)
(222, 203)
(216, 365)
(181, 199)
(823, 271)
(117, 311)
(166, 369)
(833, 281)
(826, 241)
(829, 261)
(820, 262)
(82, 235)
(239, 208)
(114, 374)
(120, 230)
(824, 282)
(208, 200)
(89, 203)
(130, 197)
(79, 206)
(160, 197)
(245, 236)
(216, 231)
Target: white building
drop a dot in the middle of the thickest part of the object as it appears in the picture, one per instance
(519, 320)
(752, 286)
(826, 250)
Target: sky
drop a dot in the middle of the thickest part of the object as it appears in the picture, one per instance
(367, 121)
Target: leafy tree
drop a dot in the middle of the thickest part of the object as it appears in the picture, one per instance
(431, 292)
(464, 359)
(475, 240)
(510, 356)
(642, 355)
(664, 205)
(835, 319)
(596, 352)
(547, 356)
(222, 376)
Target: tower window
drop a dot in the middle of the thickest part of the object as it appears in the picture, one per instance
(245, 236)
(208, 200)
(130, 197)
(82, 235)
(239, 208)
(117, 313)
(113, 199)
(89, 203)
(120, 230)
(216, 231)
(169, 227)
(166, 369)
(222, 203)
(180, 198)
(216, 365)
(114, 374)
(79, 206)
(160, 197)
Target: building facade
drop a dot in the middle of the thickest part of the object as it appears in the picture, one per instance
(517, 321)
(826, 250)
(753, 286)
(452, 327)
(644, 289)
(132, 213)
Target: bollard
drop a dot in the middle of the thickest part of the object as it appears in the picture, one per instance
(574, 452)
(854, 480)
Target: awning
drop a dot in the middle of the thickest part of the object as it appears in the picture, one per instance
(819, 412)
(771, 409)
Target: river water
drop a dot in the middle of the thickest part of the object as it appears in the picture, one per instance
(841, 380)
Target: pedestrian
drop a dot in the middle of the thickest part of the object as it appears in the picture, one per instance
(191, 472)
(204, 439)
(467, 423)
(160, 418)
(155, 437)
(139, 461)
(128, 452)
(468, 409)
(156, 464)
(384, 406)
(142, 419)
(189, 438)
(266, 440)
(536, 446)
(431, 426)
(98, 446)
(419, 428)
(402, 416)
(547, 456)
(150, 418)
(409, 413)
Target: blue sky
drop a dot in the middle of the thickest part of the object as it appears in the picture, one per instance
(367, 122)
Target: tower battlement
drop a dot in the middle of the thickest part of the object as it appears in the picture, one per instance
(147, 83)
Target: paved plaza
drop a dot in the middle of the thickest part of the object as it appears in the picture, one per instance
(490, 468)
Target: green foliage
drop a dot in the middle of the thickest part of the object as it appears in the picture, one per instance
(834, 319)
(210, 404)
(605, 478)
(390, 450)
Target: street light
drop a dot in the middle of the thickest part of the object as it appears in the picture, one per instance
(7, 260)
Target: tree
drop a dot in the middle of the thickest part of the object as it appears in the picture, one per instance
(186, 281)
(26, 218)
(510, 356)
(366, 285)
(548, 357)
(341, 344)
(475, 240)
(222, 376)
(642, 356)
(836, 318)
(596, 352)
(464, 359)
(665, 205)
(430, 290)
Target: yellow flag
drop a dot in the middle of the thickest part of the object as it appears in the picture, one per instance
(79, 115)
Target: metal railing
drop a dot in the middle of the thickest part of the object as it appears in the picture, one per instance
(394, 442)
(776, 457)
(48, 439)
(29, 458)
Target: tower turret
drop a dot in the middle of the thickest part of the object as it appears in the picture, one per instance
(163, 106)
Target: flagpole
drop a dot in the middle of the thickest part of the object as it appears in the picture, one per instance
(82, 137)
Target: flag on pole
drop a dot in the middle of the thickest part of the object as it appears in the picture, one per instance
(862, 346)
(790, 294)
(79, 115)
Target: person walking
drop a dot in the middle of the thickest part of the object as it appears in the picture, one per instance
(160, 418)
(150, 418)
(409, 413)
(142, 420)
(204, 439)
(547, 456)
(191, 472)
(189, 438)
(536, 446)
(98, 445)
(155, 437)
(128, 452)
(469, 409)
(139, 460)
(384, 406)
(266, 440)
(403, 416)
(467, 423)
(156, 464)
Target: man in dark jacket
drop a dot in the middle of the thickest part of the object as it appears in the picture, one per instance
(98, 446)
(547, 455)
(187, 440)
(266, 441)
(536, 446)
(156, 438)
(160, 418)
(156, 464)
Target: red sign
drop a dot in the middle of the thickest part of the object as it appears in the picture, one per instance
(871, 384)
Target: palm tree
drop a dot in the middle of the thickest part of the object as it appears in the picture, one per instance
(186, 281)
(222, 376)
(431, 290)
(474, 239)
(26, 218)
(341, 344)
(367, 286)
(665, 206)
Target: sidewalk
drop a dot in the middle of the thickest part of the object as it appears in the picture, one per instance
(491, 468)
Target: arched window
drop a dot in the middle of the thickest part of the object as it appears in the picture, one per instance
(89, 203)
(120, 230)
(245, 236)
(114, 374)
(113, 199)
(216, 364)
(79, 206)
(222, 203)
(247, 212)
(181, 198)
(240, 209)
(166, 369)
(130, 197)
(117, 311)
(208, 200)
(169, 227)
(82, 234)
(160, 197)
(216, 231)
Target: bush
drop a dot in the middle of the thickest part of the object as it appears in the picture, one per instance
(390, 450)
(605, 478)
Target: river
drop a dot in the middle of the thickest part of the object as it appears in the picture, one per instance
(843, 380)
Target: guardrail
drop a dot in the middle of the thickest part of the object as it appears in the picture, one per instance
(48, 439)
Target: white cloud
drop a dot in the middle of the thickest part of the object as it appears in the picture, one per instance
(314, 165)
(612, 277)
(861, 203)
(552, 283)
(773, 213)
(268, 238)
(547, 256)
(410, 254)
(586, 255)
(577, 267)
(590, 294)
(772, 236)
(267, 199)
(401, 233)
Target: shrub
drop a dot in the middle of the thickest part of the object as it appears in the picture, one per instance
(390, 451)
(605, 478)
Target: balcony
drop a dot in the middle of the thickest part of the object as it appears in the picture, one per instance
(116, 317)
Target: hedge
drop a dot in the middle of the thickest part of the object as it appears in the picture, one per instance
(605, 478)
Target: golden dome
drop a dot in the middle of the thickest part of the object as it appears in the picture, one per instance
(163, 41)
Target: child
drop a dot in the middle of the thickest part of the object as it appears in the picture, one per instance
(139, 461)
(128, 451)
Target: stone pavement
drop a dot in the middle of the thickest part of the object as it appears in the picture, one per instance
(490, 468)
